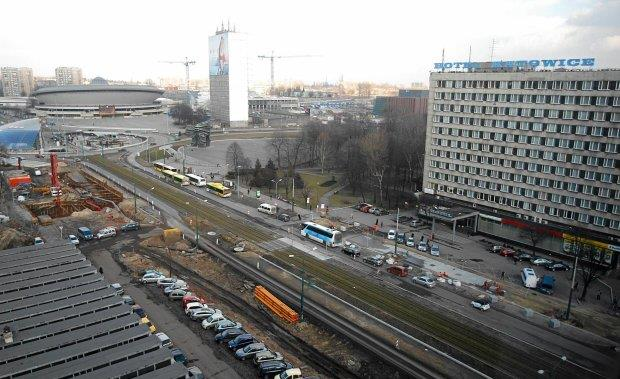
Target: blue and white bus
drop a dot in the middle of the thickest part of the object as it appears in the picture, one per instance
(321, 234)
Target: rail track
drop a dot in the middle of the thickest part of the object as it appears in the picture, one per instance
(482, 350)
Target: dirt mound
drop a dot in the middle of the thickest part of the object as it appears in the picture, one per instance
(84, 214)
(10, 238)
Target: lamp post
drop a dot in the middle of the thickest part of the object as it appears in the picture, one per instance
(238, 167)
(276, 182)
(552, 373)
(195, 226)
(135, 196)
(396, 236)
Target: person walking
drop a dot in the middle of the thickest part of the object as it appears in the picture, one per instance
(598, 295)
(503, 273)
(101, 270)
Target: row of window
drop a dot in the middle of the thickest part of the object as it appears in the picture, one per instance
(565, 85)
(601, 101)
(503, 186)
(613, 223)
(546, 155)
(580, 130)
(563, 143)
(564, 114)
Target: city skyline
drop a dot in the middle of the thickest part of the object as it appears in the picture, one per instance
(364, 44)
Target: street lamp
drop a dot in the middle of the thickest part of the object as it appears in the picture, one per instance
(238, 167)
(552, 373)
(195, 225)
(276, 182)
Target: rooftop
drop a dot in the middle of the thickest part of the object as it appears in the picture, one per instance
(65, 319)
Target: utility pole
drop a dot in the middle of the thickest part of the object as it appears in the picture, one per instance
(196, 222)
(135, 196)
(303, 280)
(183, 159)
(238, 181)
(572, 283)
(396, 236)
(293, 202)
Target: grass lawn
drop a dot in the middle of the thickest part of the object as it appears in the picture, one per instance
(312, 181)
(345, 198)
(155, 153)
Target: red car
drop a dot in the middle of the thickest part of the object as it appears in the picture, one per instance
(189, 299)
(398, 271)
(506, 252)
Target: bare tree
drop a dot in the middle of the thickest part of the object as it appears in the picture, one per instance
(276, 146)
(322, 148)
(235, 156)
(593, 260)
(375, 148)
(534, 234)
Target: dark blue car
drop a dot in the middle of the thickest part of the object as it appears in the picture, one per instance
(179, 356)
(229, 334)
(240, 341)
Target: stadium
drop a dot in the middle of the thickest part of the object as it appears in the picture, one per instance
(87, 101)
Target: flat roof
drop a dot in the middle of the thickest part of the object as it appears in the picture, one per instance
(66, 320)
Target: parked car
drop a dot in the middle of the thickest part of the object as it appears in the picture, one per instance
(145, 320)
(495, 249)
(193, 306)
(190, 299)
(151, 278)
(482, 304)
(226, 324)
(380, 212)
(265, 356)
(391, 234)
(179, 356)
(426, 281)
(415, 223)
(360, 206)
(365, 208)
(130, 226)
(240, 341)
(522, 257)
(351, 250)
(402, 219)
(164, 282)
(401, 238)
(249, 350)
(164, 339)
(128, 300)
(435, 250)
(507, 252)
(291, 373)
(423, 246)
(229, 334)
(138, 310)
(73, 239)
(210, 321)
(85, 233)
(38, 241)
(398, 271)
(272, 368)
(195, 373)
(411, 241)
(175, 286)
(557, 266)
(177, 294)
(538, 261)
(546, 284)
(375, 260)
(118, 288)
(284, 217)
(203, 314)
(110, 231)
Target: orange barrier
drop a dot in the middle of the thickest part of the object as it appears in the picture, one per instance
(275, 305)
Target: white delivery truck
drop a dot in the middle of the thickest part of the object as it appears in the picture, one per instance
(270, 209)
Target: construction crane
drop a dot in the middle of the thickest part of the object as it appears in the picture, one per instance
(273, 57)
(186, 63)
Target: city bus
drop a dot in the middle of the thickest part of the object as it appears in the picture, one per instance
(218, 189)
(321, 234)
(196, 180)
(178, 178)
(161, 167)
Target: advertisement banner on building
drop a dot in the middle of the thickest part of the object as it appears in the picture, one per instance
(598, 247)
(218, 55)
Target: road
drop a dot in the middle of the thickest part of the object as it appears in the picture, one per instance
(200, 354)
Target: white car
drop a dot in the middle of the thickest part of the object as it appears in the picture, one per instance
(110, 231)
(411, 241)
(423, 246)
(212, 320)
(435, 250)
(203, 314)
(391, 234)
(151, 278)
(165, 282)
(38, 241)
(481, 303)
(73, 239)
(193, 306)
(426, 281)
(164, 339)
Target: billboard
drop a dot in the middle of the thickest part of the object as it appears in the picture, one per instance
(218, 54)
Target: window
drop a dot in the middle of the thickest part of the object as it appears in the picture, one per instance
(590, 175)
(552, 128)
(587, 189)
(592, 161)
(608, 162)
(583, 115)
(615, 117)
(569, 200)
(599, 116)
(595, 146)
(537, 126)
(584, 100)
(603, 192)
(583, 218)
(573, 173)
(610, 148)
(572, 187)
(616, 102)
(587, 85)
(559, 171)
(555, 198)
(601, 101)
(554, 113)
(520, 152)
(544, 182)
(564, 143)
(581, 130)
(513, 111)
(606, 177)
(603, 85)
(565, 129)
(548, 155)
(598, 221)
(533, 167)
(567, 115)
(555, 99)
(576, 159)
(540, 99)
(569, 100)
(578, 145)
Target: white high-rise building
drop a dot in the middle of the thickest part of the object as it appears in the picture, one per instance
(17, 81)
(228, 76)
(68, 76)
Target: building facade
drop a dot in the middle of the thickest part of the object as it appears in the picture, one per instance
(529, 147)
(228, 78)
(17, 81)
(68, 76)
(409, 102)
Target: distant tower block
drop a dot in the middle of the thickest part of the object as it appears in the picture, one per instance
(201, 135)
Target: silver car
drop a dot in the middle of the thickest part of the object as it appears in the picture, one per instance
(250, 350)
(178, 294)
(201, 314)
(265, 356)
(426, 281)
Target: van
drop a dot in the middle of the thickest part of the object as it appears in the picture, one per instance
(528, 276)
(398, 271)
(267, 208)
(85, 233)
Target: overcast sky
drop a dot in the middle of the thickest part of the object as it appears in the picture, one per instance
(380, 40)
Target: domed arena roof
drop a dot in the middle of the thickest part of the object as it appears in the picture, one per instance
(20, 135)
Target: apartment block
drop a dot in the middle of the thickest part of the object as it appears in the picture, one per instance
(68, 76)
(17, 81)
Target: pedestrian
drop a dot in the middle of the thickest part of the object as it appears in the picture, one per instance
(598, 295)
(299, 216)
(503, 273)
(248, 191)
(101, 270)
(377, 222)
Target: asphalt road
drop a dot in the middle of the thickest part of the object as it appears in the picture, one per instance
(199, 354)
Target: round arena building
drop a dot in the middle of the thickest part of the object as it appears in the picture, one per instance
(88, 101)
